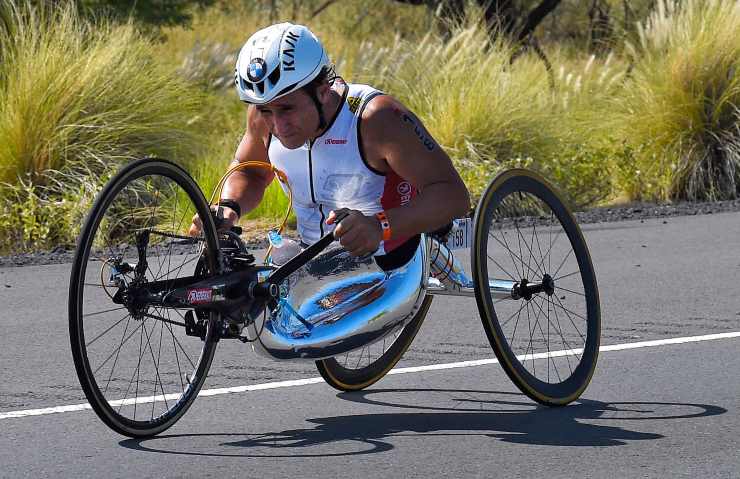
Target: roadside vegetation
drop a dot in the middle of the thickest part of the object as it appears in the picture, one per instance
(648, 110)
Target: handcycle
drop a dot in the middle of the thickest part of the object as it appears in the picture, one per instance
(148, 305)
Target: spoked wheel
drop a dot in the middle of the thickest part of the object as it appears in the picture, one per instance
(545, 331)
(139, 369)
(359, 369)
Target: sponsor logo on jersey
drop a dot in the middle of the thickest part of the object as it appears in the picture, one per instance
(199, 295)
(334, 141)
(404, 190)
(344, 187)
(354, 103)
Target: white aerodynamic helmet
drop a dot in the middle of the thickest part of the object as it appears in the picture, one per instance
(278, 60)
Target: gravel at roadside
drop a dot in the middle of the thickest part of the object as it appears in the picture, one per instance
(595, 215)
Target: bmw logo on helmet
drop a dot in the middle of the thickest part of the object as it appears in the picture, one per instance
(256, 70)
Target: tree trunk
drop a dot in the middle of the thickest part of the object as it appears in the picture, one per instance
(500, 15)
(536, 17)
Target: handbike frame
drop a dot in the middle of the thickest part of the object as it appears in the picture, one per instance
(234, 294)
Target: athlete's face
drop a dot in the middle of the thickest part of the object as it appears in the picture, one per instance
(293, 119)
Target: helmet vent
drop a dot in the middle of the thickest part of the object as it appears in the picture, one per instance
(274, 76)
(286, 89)
(245, 85)
(261, 87)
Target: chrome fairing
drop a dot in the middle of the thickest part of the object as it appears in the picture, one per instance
(337, 303)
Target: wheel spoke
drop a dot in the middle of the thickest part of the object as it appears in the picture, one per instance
(570, 291)
(512, 254)
(87, 345)
(566, 275)
(115, 361)
(102, 312)
(569, 311)
(515, 313)
(562, 263)
(529, 268)
(502, 269)
(155, 363)
(117, 349)
(174, 349)
(559, 330)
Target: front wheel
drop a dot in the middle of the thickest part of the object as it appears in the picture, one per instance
(137, 366)
(546, 333)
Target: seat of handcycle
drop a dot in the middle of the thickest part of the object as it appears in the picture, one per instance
(337, 303)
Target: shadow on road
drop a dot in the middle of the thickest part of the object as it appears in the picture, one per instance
(474, 413)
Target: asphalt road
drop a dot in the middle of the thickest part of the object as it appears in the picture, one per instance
(660, 410)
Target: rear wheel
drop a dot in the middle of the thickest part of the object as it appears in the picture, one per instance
(139, 369)
(546, 336)
(359, 369)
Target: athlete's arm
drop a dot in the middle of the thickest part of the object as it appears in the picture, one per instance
(394, 139)
(246, 187)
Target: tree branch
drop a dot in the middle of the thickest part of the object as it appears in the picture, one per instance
(535, 17)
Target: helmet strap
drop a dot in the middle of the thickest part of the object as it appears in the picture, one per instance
(319, 109)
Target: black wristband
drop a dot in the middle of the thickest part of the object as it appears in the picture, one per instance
(233, 204)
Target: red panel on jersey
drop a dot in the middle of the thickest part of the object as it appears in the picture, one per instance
(396, 192)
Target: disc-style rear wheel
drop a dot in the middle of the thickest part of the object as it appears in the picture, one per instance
(139, 369)
(359, 369)
(545, 334)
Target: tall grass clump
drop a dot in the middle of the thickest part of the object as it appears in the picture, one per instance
(475, 104)
(486, 112)
(78, 99)
(583, 149)
(680, 110)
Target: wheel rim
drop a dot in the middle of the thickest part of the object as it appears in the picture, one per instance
(548, 337)
(140, 365)
(366, 356)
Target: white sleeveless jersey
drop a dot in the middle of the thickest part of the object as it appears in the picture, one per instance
(331, 173)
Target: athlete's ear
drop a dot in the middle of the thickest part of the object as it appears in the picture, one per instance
(322, 92)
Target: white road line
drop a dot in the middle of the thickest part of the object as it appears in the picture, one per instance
(416, 369)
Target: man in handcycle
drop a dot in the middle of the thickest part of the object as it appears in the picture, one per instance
(361, 168)
(345, 149)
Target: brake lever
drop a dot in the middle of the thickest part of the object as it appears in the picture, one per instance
(218, 221)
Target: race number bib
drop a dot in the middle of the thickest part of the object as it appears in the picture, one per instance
(461, 234)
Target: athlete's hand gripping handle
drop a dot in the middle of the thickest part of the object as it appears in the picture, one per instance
(304, 256)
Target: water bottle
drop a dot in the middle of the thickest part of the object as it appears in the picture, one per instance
(276, 240)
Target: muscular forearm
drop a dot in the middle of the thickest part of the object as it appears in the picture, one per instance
(246, 189)
(431, 209)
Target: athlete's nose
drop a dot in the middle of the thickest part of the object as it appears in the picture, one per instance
(281, 125)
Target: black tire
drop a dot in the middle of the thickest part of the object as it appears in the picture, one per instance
(114, 349)
(569, 309)
(345, 373)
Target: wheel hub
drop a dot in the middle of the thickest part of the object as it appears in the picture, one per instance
(525, 289)
(548, 284)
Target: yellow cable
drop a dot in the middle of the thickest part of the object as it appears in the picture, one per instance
(257, 164)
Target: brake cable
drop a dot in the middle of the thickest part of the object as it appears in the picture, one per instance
(282, 177)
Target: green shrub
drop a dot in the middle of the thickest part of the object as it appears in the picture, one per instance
(679, 112)
(72, 92)
(79, 99)
(47, 214)
(490, 115)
